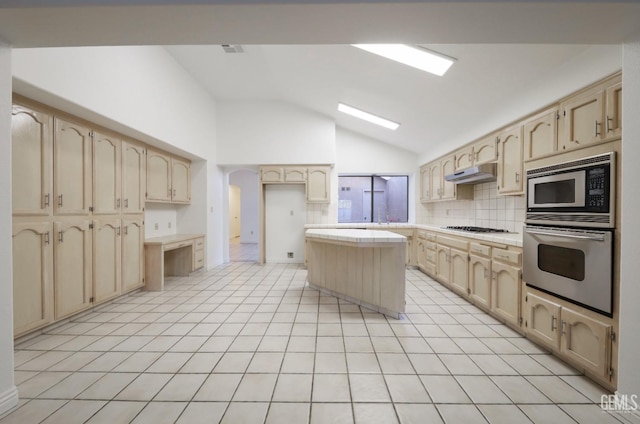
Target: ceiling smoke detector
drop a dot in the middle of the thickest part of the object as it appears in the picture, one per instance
(232, 48)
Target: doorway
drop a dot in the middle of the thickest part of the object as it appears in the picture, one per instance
(243, 215)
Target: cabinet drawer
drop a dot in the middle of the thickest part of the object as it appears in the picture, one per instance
(178, 245)
(451, 242)
(507, 256)
(480, 249)
(199, 243)
(421, 234)
(430, 245)
(198, 259)
(431, 237)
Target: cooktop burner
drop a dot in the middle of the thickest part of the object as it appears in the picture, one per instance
(475, 229)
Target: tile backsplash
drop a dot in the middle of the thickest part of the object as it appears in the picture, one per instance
(487, 209)
(318, 213)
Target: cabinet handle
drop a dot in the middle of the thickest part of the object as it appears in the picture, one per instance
(118, 230)
(597, 126)
(126, 203)
(517, 177)
(46, 200)
(118, 203)
(169, 193)
(473, 156)
(60, 200)
(46, 237)
(607, 123)
(485, 272)
(60, 237)
(553, 323)
(494, 275)
(564, 323)
(126, 230)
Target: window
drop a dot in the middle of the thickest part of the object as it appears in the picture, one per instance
(373, 198)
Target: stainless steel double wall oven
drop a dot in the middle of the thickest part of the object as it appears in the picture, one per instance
(568, 237)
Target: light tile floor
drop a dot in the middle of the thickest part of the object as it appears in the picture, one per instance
(242, 252)
(249, 343)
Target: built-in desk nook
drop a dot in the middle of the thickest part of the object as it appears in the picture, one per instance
(175, 255)
(366, 267)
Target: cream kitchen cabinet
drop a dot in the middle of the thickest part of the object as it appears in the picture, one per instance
(541, 134)
(132, 235)
(591, 116)
(443, 264)
(72, 168)
(440, 189)
(106, 174)
(180, 180)
(32, 276)
(134, 167)
(452, 263)
(295, 174)
(435, 181)
(480, 280)
(459, 281)
(72, 267)
(107, 259)
(510, 161)
(505, 291)
(198, 253)
(318, 184)
(449, 189)
(482, 151)
(168, 178)
(421, 253)
(283, 174)
(158, 176)
(424, 184)
(31, 158)
(464, 158)
(584, 341)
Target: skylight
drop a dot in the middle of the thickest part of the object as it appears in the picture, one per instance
(416, 57)
(368, 117)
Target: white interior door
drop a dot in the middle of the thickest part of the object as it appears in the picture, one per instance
(235, 196)
(285, 217)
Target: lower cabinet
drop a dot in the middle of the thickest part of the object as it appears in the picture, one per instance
(480, 280)
(459, 281)
(106, 259)
(443, 264)
(198, 253)
(32, 276)
(584, 341)
(132, 253)
(505, 292)
(72, 267)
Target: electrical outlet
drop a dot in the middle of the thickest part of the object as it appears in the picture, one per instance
(251, 232)
(290, 255)
(155, 225)
(169, 224)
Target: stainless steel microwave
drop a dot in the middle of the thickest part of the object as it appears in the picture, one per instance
(579, 193)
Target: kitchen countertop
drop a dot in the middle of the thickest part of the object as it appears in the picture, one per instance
(355, 235)
(511, 239)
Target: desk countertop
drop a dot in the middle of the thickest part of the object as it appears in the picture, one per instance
(171, 239)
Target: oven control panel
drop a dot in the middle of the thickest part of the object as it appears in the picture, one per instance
(597, 196)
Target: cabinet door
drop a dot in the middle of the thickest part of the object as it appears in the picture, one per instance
(460, 271)
(464, 158)
(106, 174)
(295, 174)
(443, 264)
(424, 184)
(319, 180)
(421, 254)
(71, 168)
(32, 276)
(540, 135)
(480, 280)
(613, 118)
(132, 253)
(543, 320)
(271, 174)
(582, 120)
(180, 181)
(106, 259)
(448, 188)
(485, 150)
(435, 181)
(134, 165)
(586, 341)
(72, 267)
(505, 292)
(158, 176)
(510, 162)
(31, 161)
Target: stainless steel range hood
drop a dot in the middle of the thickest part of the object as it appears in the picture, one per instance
(474, 175)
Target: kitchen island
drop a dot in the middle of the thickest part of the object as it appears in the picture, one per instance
(366, 267)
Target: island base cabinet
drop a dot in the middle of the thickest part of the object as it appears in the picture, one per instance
(32, 276)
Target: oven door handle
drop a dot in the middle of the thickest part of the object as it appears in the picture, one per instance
(574, 236)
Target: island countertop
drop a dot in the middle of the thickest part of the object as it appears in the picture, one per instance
(356, 236)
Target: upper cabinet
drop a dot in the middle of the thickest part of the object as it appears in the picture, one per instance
(134, 166)
(424, 183)
(317, 179)
(168, 178)
(540, 134)
(510, 161)
(482, 151)
(72, 167)
(31, 156)
(592, 115)
(434, 187)
(106, 174)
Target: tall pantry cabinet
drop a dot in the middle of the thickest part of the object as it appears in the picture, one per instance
(73, 189)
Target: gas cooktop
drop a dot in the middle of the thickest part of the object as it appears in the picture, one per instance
(470, 229)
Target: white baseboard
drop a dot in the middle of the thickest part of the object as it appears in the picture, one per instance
(8, 400)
